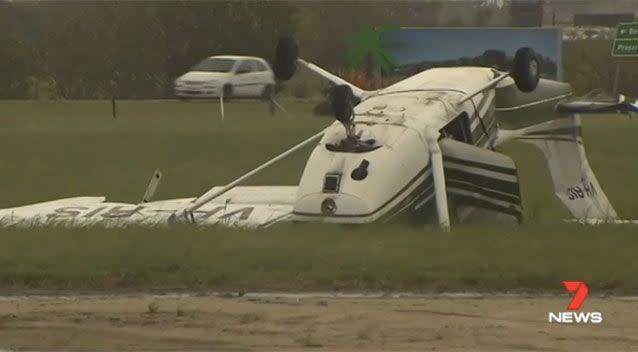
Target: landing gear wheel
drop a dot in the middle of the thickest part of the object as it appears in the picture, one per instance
(285, 62)
(526, 70)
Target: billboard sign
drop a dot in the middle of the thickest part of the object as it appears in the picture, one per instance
(418, 49)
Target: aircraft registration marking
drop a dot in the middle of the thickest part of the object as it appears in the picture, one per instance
(577, 192)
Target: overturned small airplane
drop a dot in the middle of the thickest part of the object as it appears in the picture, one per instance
(420, 149)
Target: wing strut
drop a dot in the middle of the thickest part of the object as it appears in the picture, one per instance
(221, 104)
(440, 191)
(489, 85)
(152, 186)
(187, 213)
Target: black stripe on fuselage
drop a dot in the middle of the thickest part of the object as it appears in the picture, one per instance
(394, 197)
(469, 201)
(495, 184)
(476, 164)
(470, 187)
(423, 191)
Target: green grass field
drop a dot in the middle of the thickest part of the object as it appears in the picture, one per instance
(61, 149)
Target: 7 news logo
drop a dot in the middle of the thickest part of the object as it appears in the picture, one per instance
(581, 291)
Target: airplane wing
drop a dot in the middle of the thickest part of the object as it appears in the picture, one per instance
(246, 207)
(587, 105)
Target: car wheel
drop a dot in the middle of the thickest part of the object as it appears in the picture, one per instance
(267, 93)
(228, 92)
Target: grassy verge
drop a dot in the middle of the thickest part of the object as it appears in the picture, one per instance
(308, 257)
(52, 150)
(62, 149)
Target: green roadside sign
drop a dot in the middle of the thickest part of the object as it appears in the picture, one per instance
(626, 41)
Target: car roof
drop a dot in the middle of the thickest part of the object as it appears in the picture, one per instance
(235, 57)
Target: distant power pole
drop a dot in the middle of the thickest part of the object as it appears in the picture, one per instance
(115, 83)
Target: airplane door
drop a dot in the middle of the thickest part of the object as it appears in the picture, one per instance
(477, 178)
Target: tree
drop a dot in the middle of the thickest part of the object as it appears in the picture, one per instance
(370, 49)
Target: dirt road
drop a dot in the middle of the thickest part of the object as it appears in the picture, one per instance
(269, 322)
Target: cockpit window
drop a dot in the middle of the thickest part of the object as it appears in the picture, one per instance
(459, 129)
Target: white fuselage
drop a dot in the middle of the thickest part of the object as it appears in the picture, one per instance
(393, 122)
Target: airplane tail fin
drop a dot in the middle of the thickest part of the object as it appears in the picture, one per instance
(574, 181)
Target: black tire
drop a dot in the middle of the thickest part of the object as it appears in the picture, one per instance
(526, 70)
(228, 92)
(284, 64)
(184, 99)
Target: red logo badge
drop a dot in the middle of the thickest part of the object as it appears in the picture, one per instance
(580, 287)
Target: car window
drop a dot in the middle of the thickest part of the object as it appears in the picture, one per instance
(244, 67)
(260, 66)
(214, 65)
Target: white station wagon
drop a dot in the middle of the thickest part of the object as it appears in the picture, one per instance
(232, 76)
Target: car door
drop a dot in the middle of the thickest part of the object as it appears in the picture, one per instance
(244, 85)
(260, 76)
(265, 76)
